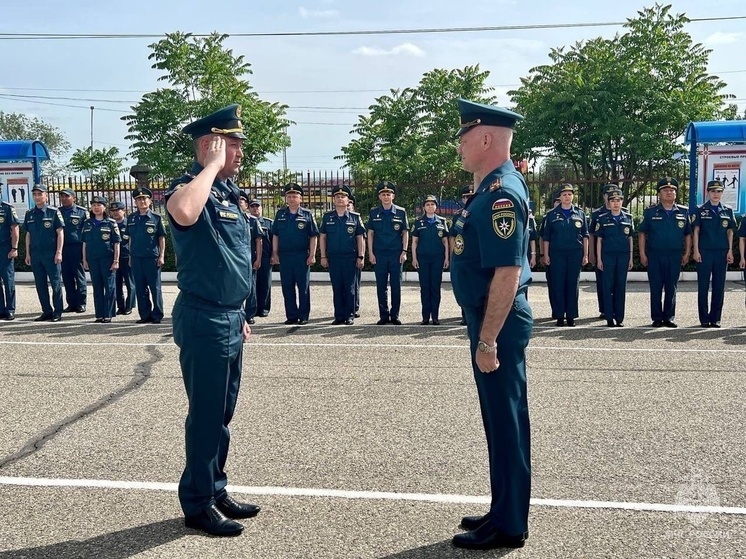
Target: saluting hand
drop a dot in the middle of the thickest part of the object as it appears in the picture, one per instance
(216, 152)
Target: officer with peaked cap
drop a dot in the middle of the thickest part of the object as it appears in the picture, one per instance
(9, 237)
(256, 234)
(73, 274)
(211, 241)
(544, 255)
(147, 255)
(714, 225)
(45, 235)
(388, 240)
(342, 251)
(295, 237)
(351, 202)
(124, 278)
(430, 256)
(490, 273)
(664, 241)
(467, 192)
(263, 272)
(605, 191)
(614, 232)
(101, 240)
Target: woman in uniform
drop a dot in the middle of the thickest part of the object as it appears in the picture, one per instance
(101, 240)
(430, 258)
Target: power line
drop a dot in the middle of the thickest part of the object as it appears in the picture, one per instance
(85, 36)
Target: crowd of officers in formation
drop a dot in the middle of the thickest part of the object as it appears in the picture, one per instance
(124, 254)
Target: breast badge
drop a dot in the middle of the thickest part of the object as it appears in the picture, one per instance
(626, 230)
(458, 244)
(397, 226)
(725, 223)
(680, 224)
(105, 236)
(150, 230)
(440, 234)
(578, 225)
(350, 230)
(301, 225)
(47, 224)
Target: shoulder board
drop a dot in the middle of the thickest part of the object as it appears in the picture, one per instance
(6, 204)
(682, 207)
(354, 213)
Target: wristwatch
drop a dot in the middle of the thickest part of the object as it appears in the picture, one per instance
(361, 257)
(484, 347)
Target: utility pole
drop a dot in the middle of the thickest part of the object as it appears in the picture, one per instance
(91, 128)
(285, 154)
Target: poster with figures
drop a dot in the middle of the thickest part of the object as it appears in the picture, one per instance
(16, 179)
(723, 163)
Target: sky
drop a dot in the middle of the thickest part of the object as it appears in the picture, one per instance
(326, 81)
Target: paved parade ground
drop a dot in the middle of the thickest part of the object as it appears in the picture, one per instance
(365, 441)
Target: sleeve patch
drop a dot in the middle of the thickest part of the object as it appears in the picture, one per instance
(502, 204)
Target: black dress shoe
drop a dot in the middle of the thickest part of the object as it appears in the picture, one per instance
(436, 322)
(704, 325)
(657, 323)
(601, 316)
(106, 320)
(263, 314)
(154, 321)
(250, 321)
(10, 316)
(470, 523)
(233, 509)
(714, 325)
(487, 536)
(120, 312)
(560, 322)
(571, 322)
(463, 322)
(43, 318)
(610, 323)
(302, 321)
(80, 309)
(56, 318)
(349, 322)
(338, 321)
(291, 321)
(395, 321)
(214, 522)
(670, 324)
(619, 324)
(383, 321)
(69, 308)
(127, 311)
(144, 321)
(357, 314)
(424, 322)
(99, 320)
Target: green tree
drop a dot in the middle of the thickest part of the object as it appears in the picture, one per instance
(408, 136)
(616, 110)
(202, 76)
(103, 165)
(17, 126)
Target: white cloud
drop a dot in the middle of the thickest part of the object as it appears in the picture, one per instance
(720, 38)
(405, 48)
(317, 14)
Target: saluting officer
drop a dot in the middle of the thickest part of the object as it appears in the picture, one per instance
(430, 256)
(664, 242)
(592, 257)
(263, 267)
(73, 274)
(295, 236)
(466, 193)
(124, 279)
(714, 224)
(342, 251)
(388, 239)
(358, 269)
(45, 236)
(256, 234)
(101, 239)
(491, 275)
(147, 255)
(614, 231)
(212, 246)
(565, 240)
(9, 236)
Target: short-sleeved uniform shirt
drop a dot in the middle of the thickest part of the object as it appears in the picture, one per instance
(255, 232)
(388, 228)
(341, 232)
(615, 230)
(665, 230)
(565, 230)
(144, 231)
(714, 224)
(8, 218)
(294, 230)
(43, 223)
(74, 216)
(100, 237)
(124, 246)
(430, 235)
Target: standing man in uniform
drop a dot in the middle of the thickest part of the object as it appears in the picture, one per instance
(255, 235)
(147, 255)
(294, 240)
(664, 241)
(388, 240)
(343, 252)
(73, 274)
(211, 241)
(124, 278)
(714, 224)
(358, 270)
(9, 236)
(491, 275)
(262, 266)
(45, 237)
(430, 256)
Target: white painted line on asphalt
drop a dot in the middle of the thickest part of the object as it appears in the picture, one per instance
(372, 495)
(622, 348)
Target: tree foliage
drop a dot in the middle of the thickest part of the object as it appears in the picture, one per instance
(408, 136)
(616, 109)
(202, 75)
(102, 165)
(17, 126)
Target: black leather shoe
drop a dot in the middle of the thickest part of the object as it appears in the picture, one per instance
(154, 321)
(657, 323)
(250, 321)
(127, 311)
(106, 320)
(263, 314)
(43, 318)
(56, 318)
(463, 322)
(357, 314)
(714, 325)
(10, 316)
(571, 322)
(436, 322)
(488, 537)
(470, 523)
(395, 321)
(303, 321)
(338, 321)
(704, 325)
(383, 321)
(610, 323)
(69, 308)
(601, 316)
(80, 309)
(349, 322)
(424, 322)
(144, 321)
(233, 509)
(620, 324)
(291, 321)
(214, 522)
(99, 320)
(560, 322)
(670, 324)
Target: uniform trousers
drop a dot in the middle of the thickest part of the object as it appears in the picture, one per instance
(615, 284)
(103, 280)
(43, 267)
(664, 268)
(73, 275)
(295, 278)
(250, 305)
(210, 342)
(600, 288)
(124, 279)
(714, 265)
(565, 281)
(504, 406)
(430, 275)
(147, 276)
(388, 270)
(8, 280)
(342, 273)
(263, 288)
